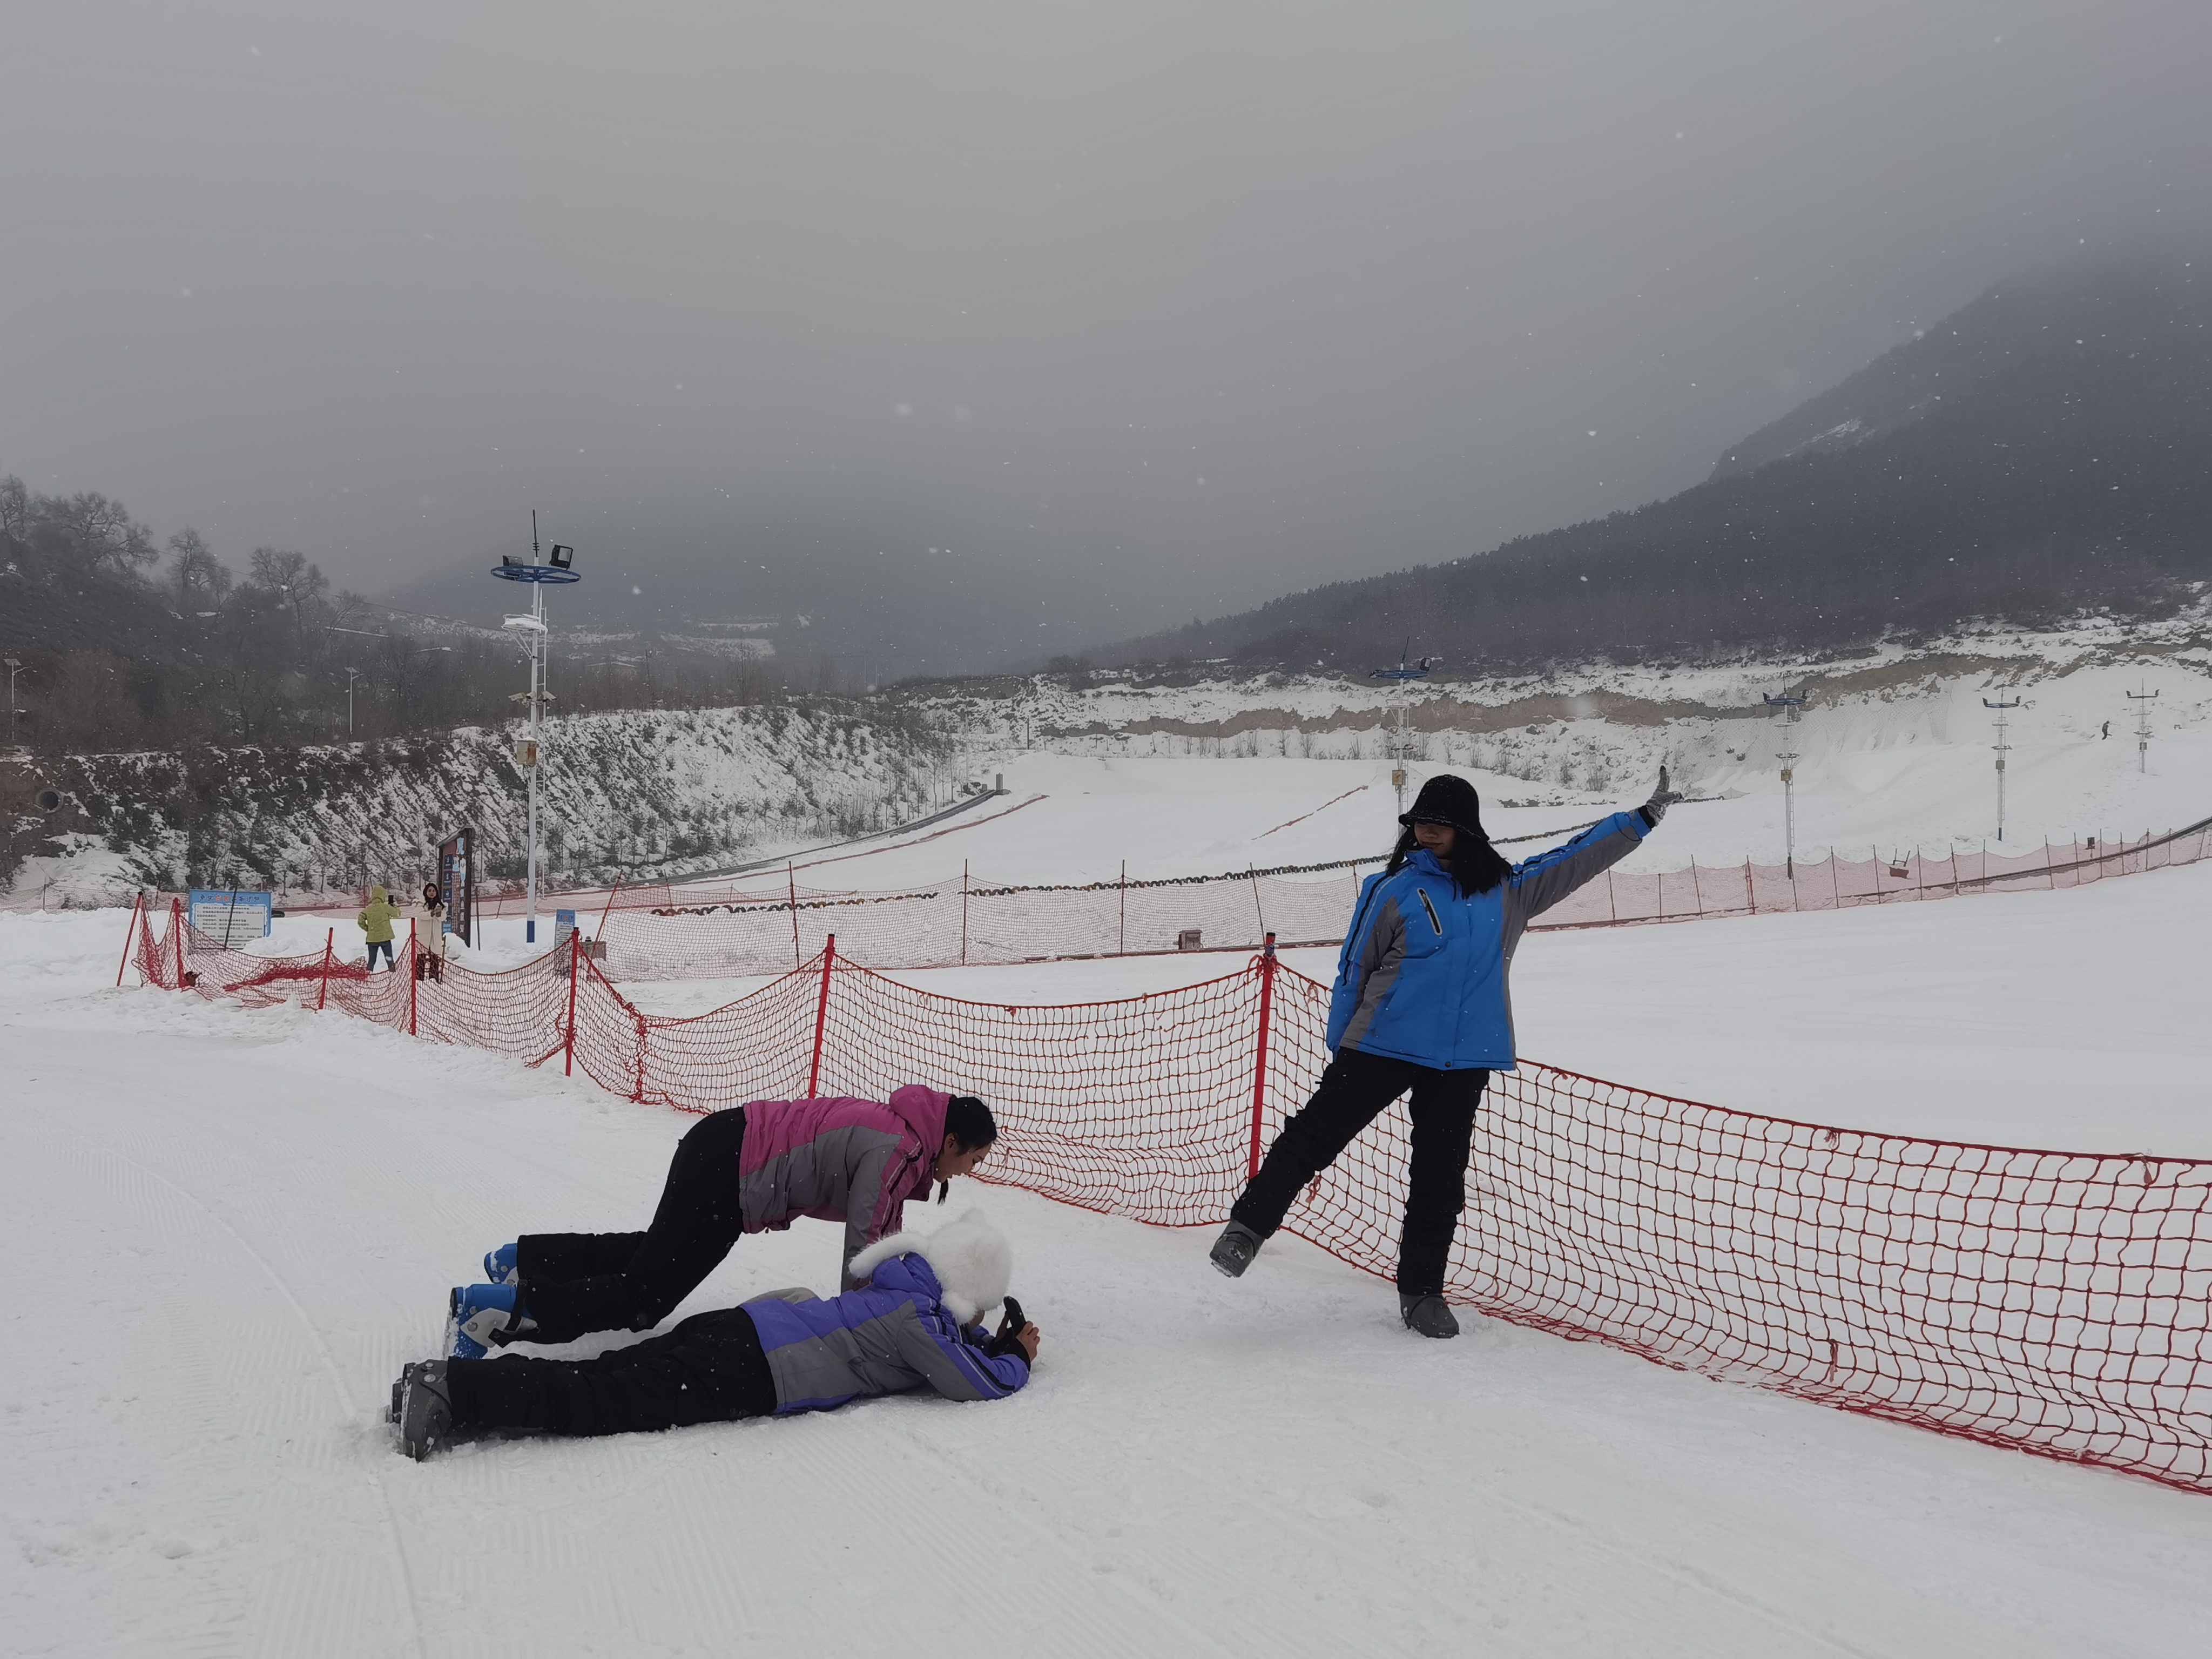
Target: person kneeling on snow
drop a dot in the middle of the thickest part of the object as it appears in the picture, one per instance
(916, 1323)
(744, 1169)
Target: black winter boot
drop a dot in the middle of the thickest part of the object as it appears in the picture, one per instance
(1429, 1315)
(424, 1412)
(1233, 1251)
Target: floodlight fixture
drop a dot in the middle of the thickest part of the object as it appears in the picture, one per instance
(537, 575)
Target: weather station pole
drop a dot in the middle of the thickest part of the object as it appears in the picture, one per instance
(2004, 747)
(1788, 756)
(538, 574)
(1403, 676)
(2142, 701)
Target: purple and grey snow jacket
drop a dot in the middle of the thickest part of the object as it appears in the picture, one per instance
(855, 1161)
(889, 1337)
(1422, 976)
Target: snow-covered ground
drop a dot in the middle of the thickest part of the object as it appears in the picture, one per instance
(226, 1229)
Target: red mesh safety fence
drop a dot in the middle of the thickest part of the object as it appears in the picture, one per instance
(2056, 1303)
(770, 925)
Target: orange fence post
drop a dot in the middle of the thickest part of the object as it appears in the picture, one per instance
(330, 944)
(964, 913)
(1122, 940)
(608, 909)
(569, 1046)
(792, 876)
(414, 971)
(820, 1015)
(177, 933)
(1260, 1065)
(137, 904)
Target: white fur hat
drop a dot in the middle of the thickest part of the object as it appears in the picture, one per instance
(972, 1261)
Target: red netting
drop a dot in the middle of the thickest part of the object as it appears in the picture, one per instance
(773, 923)
(2056, 1303)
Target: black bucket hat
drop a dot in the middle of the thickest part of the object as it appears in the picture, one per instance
(1450, 801)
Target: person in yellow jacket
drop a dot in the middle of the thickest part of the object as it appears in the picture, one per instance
(376, 919)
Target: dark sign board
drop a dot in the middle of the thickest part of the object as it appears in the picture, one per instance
(457, 884)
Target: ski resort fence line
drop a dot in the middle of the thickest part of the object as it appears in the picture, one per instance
(2054, 1302)
(693, 932)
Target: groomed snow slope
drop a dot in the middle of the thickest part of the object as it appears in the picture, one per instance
(227, 1229)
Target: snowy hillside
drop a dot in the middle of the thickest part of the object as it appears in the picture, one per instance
(626, 791)
(1176, 776)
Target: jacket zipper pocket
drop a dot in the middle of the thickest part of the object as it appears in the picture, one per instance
(1431, 909)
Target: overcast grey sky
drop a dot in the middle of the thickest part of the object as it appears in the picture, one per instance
(1142, 309)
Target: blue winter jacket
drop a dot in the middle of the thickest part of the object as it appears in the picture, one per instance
(891, 1335)
(1422, 973)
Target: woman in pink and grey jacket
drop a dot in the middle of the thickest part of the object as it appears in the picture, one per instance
(747, 1169)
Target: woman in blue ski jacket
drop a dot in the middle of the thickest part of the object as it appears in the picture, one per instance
(1421, 1004)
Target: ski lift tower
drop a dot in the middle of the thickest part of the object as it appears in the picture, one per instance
(2142, 701)
(539, 574)
(2003, 748)
(1404, 676)
(1788, 756)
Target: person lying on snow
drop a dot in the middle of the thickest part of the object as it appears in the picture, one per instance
(745, 1170)
(916, 1323)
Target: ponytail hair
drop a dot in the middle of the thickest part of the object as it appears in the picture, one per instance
(1475, 865)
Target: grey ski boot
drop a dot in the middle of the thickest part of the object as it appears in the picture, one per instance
(1234, 1250)
(1429, 1315)
(423, 1416)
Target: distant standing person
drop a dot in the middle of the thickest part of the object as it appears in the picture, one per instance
(430, 932)
(376, 919)
(1421, 1004)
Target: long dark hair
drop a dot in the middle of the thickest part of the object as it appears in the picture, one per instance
(1476, 866)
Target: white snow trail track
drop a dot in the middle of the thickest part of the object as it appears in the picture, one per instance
(223, 1231)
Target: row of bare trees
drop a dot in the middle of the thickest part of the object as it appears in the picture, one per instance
(121, 641)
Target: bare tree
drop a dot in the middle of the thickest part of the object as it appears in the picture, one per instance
(15, 508)
(297, 587)
(99, 531)
(201, 579)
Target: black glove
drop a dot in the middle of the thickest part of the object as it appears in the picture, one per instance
(1662, 799)
(1009, 1339)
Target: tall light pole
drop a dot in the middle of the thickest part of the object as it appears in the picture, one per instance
(352, 674)
(1788, 756)
(2003, 748)
(1403, 676)
(2142, 701)
(14, 667)
(532, 626)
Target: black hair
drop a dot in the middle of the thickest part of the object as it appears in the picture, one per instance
(970, 1122)
(1476, 866)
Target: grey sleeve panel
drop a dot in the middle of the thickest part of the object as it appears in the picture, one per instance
(812, 1178)
(1380, 959)
(1544, 888)
(865, 1192)
(923, 1353)
(874, 1356)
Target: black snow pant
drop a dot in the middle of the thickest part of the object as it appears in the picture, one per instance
(1352, 1093)
(709, 1369)
(576, 1283)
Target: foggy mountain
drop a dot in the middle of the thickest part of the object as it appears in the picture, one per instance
(2040, 451)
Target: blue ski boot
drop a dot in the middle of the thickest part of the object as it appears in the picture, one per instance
(501, 1269)
(485, 1317)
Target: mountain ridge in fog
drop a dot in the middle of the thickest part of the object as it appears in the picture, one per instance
(2036, 452)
